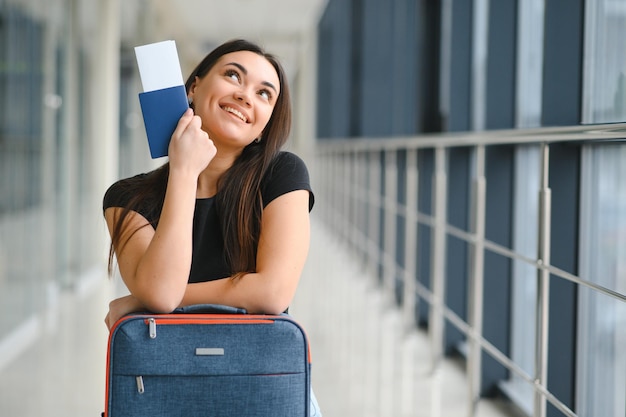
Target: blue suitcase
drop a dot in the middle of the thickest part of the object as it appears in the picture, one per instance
(207, 361)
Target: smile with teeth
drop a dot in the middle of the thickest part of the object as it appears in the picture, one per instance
(236, 113)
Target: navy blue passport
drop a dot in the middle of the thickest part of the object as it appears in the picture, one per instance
(161, 111)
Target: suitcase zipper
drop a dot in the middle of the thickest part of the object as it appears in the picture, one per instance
(140, 387)
(152, 327)
(152, 322)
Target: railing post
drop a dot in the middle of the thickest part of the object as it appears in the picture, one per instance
(334, 187)
(438, 267)
(478, 204)
(358, 203)
(390, 215)
(363, 203)
(346, 195)
(374, 211)
(543, 284)
(410, 299)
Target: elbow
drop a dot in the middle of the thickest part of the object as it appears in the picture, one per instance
(160, 291)
(273, 309)
(161, 306)
(160, 301)
(274, 301)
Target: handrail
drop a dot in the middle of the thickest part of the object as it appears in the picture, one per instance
(584, 133)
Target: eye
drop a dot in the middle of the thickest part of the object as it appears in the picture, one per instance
(266, 94)
(233, 74)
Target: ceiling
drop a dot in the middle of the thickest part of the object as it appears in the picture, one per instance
(199, 25)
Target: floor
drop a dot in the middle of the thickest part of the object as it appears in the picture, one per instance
(365, 363)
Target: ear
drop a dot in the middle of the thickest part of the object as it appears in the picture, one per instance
(192, 90)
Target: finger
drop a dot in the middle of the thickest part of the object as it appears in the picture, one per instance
(184, 120)
(195, 123)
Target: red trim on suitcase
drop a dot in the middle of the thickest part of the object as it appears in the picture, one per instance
(204, 320)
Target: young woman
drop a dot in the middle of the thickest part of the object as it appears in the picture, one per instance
(226, 220)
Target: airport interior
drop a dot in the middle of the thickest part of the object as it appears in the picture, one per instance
(468, 161)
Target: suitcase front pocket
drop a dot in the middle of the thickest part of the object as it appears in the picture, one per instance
(227, 396)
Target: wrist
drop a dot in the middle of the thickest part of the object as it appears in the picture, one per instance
(183, 174)
(182, 179)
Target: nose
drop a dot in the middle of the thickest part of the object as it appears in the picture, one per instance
(243, 96)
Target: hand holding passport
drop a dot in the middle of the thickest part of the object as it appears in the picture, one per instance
(164, 99)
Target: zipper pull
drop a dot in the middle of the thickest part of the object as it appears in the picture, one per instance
(140, 387)
(152, 327)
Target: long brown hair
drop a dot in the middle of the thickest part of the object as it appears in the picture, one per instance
(238, 199)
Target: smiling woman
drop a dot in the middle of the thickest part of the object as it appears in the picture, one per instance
(212, 211)
(226, 220)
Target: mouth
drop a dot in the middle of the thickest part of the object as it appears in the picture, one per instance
(236, 112)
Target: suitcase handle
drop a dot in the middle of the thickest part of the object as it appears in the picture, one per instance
(209, 309)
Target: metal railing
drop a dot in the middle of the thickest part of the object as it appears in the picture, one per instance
(358, 184)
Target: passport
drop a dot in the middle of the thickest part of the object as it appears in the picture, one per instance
(164, 99)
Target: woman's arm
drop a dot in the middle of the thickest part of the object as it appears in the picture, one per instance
(282, 253)
(155, 264)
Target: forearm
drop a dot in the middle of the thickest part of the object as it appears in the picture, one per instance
(163, 271)
(254, 292)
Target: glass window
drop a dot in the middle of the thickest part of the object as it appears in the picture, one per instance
(529, 63)
(601, 379)
(604, 85)
(24, 227)
(524, 288)
(601, 370)
(479, 63)
(47, 216)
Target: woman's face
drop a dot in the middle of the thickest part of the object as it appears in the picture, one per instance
(235, 99)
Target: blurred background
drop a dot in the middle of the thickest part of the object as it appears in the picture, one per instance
(470, 178)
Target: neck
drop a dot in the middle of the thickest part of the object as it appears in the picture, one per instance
(207, 181)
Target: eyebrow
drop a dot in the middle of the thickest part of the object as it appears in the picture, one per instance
(245, 72)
